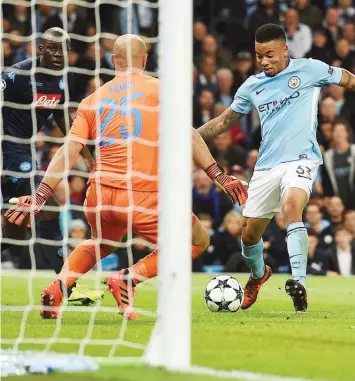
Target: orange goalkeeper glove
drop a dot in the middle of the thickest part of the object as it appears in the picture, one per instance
(236, 188)
(29, 205)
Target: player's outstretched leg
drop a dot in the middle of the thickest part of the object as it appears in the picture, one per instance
(293, 203)
(49, 229)
(122, 284)
(81, 260)
(252, 252)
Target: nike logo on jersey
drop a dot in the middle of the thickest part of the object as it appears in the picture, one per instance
(46, 100)
(259, 91)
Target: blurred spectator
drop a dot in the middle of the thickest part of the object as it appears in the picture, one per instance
(331, 22)
(299, 36)
(349, 222)
(349, 34)
(266, 12)
(43, 12)
(211, 48)
(7, 51)
(243, 68)
(207, 222)
(346, 10)
(207, 79)
(134, 24)
(318, 261)
(309, 14)
(227, 240)
(337, 93)
(275, 242)
(338, 171)
(328, 110)
(342, 259)
(20, 20)
(77, 186)
(223, 150)
(199, 33)
(251, 162)
(318, 225)
(204, 112)
(343, 57)
(207, 199)
(73, 22)
(325, 135)
(77, 234)
(321, 47)
(335, 208)
(225, 92)
(93, 85)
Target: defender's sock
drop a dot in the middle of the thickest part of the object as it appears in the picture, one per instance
(297, 246)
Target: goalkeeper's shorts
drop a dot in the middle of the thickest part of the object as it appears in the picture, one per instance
(22, 180)
(112, 212)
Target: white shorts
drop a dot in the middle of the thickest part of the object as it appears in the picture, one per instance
(267, 188)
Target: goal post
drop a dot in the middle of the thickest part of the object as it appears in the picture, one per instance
(170, 343)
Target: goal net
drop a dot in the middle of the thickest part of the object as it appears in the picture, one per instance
(97, 330)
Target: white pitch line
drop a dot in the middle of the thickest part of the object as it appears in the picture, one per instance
(241, 375)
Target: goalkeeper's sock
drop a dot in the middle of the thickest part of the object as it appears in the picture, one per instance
(297, 246)
(253, 257)
(147, 267)
(79, 262)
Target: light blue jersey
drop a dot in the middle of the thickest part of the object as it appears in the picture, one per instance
(287, 105)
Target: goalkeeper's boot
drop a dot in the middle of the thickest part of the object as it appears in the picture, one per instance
(81, 294)
(122, 292)
(298, 294)
(252, 288)
(51, 299)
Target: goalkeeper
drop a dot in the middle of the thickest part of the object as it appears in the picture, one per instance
(122, 116)
(47, 93)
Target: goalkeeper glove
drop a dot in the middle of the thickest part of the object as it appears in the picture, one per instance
(29, 205)
(236, 188)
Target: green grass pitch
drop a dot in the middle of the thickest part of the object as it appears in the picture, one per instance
(269, 338)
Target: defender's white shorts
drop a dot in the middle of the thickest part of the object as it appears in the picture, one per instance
(267, 188)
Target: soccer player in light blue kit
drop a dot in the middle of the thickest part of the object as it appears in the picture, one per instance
(285, 95)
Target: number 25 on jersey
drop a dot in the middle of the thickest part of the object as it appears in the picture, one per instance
(124, 110)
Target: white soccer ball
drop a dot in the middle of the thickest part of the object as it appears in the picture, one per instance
(224, 294)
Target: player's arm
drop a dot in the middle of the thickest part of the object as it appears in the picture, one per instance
(59, 118)
(62, 161)
(221, 124)
(236, 189)
(347, 80)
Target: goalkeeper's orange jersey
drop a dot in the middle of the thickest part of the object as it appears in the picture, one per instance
(122, 117)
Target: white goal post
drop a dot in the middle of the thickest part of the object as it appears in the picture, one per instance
(170, 344)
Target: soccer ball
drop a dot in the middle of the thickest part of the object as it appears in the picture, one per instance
(224, 294)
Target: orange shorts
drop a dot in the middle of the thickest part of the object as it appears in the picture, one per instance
(119, 213)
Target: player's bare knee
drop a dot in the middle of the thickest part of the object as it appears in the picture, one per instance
(250, 236)
(206, 240)
(292, 212)
(200, 236)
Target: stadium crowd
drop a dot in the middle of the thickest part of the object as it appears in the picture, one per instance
(223, 58)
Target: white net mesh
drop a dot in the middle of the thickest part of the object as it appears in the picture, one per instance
(95, 330)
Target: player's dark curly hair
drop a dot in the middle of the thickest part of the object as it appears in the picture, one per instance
(270, 32)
